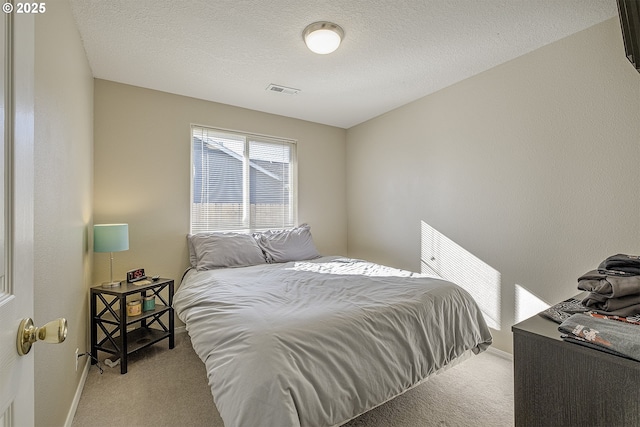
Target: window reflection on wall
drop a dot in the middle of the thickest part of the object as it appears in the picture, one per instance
(527, 304)
(452, 262)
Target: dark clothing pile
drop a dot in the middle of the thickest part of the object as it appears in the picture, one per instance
(614, 288)
(620, 265)
(612, 324)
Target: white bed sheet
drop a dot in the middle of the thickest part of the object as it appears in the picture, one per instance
(316, 343)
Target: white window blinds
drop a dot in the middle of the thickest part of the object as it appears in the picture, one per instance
(241, 182)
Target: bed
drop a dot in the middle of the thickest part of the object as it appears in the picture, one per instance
(320, 340)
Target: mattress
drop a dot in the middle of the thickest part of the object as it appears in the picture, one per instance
(316, 343)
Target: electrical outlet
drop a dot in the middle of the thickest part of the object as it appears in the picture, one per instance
(77, 357)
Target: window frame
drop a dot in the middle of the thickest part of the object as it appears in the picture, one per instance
(248, 138)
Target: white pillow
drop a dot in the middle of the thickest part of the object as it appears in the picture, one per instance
(217, 250)
(295, 244)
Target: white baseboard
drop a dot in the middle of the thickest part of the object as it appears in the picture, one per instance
(501, 354)
(76, 397)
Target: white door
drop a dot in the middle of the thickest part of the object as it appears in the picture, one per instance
(16, 225)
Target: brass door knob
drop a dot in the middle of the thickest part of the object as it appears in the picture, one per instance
(53, 332)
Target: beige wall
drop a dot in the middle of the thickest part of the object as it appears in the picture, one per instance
(142, 173)
(62, 210)
(532, 167)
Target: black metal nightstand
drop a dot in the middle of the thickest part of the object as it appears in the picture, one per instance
(110, 316)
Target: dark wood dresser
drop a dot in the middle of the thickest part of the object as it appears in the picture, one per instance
(559, 383)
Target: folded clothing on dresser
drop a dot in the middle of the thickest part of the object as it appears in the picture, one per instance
(611, 294)
(621, 265)
(614, 288)
(618, 338)
(609, 286)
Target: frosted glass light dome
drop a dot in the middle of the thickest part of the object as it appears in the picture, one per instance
(323, 37)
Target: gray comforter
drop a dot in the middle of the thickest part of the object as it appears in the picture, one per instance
(319, 342)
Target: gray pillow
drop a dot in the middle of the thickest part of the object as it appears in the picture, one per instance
(193, 259)
(294, 244)
(217, 250)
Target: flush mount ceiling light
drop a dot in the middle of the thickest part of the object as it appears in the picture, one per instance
(323, 37)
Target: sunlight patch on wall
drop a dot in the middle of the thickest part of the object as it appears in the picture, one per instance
(452, 262)
(527, 304)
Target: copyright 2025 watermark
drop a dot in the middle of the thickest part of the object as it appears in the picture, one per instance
(32, 8)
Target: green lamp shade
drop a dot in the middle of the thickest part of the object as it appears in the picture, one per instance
(110, 237)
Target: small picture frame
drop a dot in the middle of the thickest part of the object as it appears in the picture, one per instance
(135, 275)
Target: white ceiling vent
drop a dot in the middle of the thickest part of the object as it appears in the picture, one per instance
(282, 89)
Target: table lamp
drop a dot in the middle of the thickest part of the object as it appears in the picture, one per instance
(110, 238)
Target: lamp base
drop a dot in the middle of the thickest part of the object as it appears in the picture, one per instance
(110, 284)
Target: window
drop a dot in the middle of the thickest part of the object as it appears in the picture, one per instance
(241, 182)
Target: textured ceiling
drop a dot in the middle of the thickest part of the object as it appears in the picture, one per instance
(393, 52)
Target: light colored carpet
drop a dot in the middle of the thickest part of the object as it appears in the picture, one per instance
(169, 388)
